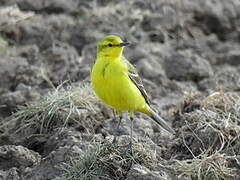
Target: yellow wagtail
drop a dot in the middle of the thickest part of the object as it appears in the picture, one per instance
(116, 82)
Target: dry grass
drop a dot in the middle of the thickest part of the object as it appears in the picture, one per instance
(71, 106)
(204, 167)
(108, 161)
(212, 138)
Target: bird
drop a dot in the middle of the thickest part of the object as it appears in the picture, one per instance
(117, 83)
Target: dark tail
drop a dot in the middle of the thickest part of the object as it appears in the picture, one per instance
(160, 121)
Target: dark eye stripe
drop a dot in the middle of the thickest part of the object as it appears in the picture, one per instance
(101, 47)
(113, 45)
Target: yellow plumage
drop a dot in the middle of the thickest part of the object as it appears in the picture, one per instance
(116, 81)
(113, 85)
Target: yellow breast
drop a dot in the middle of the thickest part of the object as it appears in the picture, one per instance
(112, 85)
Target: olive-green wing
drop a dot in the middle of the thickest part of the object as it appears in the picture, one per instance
(133, 75)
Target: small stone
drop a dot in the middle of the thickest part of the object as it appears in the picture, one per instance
(138, 172)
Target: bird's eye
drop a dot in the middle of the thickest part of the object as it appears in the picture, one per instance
(110, 45)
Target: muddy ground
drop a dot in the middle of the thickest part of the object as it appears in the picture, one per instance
(52, 126)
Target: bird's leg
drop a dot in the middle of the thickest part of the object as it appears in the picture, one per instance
(131, 130)
(118, 127)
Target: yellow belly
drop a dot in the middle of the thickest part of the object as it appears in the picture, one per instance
(114, 87)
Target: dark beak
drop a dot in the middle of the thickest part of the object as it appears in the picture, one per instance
(124, 43)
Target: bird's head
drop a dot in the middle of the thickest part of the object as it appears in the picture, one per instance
(111, 46)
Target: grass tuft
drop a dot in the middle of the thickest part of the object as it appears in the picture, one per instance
(204, 167)
(107, 161)
(71, 106)
(210, 137)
